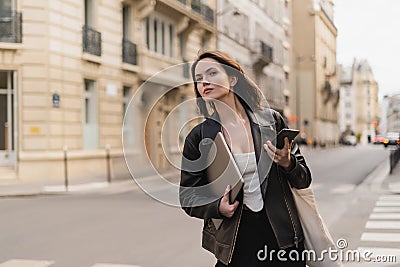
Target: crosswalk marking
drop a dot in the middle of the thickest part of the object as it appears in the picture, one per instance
(45, 263)
(113, 265)
(389, 198)
(388, 203)
(386, 209)
(381, 237)
(382, 225)
(385, 216)
(26, 263)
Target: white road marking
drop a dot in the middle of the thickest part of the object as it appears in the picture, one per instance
(385, 216)
(381, 237)
(26, 263)
(382, 225)
(386, 209)
(388, 203)
(389, 198)
(113, 265)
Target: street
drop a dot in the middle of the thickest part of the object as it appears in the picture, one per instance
(125, 227)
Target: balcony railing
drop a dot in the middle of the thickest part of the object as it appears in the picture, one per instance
(129, 53)
(266, 52)
(91, 41)
(204, 10)
(264, 55)
(10, 27)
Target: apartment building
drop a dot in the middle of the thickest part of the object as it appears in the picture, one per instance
(257, 34)
(68, 69)
(390, 120)
(359, 105)
(315, 87)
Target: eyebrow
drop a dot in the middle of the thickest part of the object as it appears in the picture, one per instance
(209, 69)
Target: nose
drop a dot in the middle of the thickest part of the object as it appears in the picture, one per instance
(205, 82)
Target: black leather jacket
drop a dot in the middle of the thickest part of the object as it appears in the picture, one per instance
(278, 200)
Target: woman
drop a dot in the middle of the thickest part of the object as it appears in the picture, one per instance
(263, 217)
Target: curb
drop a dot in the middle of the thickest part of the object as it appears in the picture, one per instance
(376, 178)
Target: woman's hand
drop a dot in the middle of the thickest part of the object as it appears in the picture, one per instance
(225, 208)
(279, 156)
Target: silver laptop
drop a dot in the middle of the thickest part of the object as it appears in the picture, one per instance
(222, 170)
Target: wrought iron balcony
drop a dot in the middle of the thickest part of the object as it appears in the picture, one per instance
(10, 27)
(264, 55)
(129, 52)
(91, 41)
(204, 10)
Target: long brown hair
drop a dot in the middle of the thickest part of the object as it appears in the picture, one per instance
(245, 89)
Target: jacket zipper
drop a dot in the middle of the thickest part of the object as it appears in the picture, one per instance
(296, 239)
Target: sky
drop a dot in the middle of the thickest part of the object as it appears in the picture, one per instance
(370, 29)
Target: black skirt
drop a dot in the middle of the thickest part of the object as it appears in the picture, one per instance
(255, 242)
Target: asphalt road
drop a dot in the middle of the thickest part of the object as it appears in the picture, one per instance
(127, 227)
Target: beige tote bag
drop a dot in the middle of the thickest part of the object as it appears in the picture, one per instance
(316, 234)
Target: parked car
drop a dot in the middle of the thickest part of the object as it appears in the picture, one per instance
(378, 139)
(392, 138)
(350, 140)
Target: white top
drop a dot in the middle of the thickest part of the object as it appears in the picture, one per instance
(247, 165)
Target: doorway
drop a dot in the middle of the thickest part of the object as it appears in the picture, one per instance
(8, 81)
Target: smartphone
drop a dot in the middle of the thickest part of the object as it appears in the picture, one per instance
(289, 133)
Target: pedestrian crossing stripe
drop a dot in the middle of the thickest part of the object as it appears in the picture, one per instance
(382, 203)
(113, 265)
(385, 216)
(386, 209)
(389, 198)
(26, 263)
(46, 263)
(382, 225)
(381, 237)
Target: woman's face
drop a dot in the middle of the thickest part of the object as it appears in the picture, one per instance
(212, 80)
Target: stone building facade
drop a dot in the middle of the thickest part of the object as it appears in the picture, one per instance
(68, 69)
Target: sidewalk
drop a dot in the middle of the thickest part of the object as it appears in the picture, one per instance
(393, 180)
(18, 188)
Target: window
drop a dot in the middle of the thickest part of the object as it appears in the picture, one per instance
(90, 127)
(89, 13)
(160, 35)
(7, 5)
(126, 97)
(126, 22)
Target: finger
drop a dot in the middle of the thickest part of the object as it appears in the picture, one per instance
(269, 146)
(235, 205)
(228, 188)
(270, 153)
(286, 145)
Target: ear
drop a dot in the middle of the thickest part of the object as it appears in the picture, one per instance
(233, 80)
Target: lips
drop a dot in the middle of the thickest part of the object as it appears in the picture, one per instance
(207, 90)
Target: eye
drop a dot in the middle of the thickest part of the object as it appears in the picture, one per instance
(213, 73)
(199, 78)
